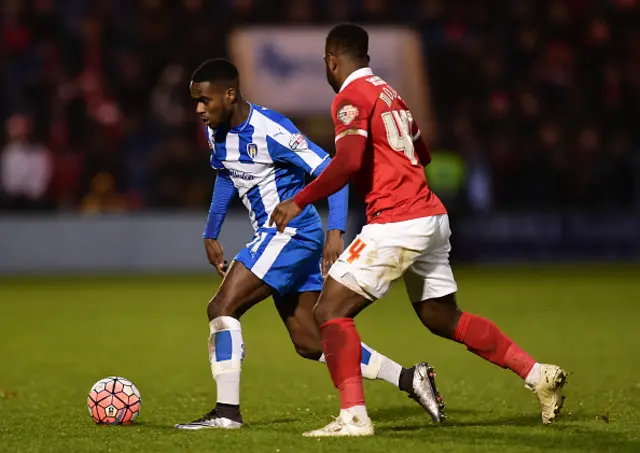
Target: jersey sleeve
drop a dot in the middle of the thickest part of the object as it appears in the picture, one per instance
(338, 204)
(289, 145)
(420, 145)
(350, 113)
(223, 193)
(215, 162)
(415, 131)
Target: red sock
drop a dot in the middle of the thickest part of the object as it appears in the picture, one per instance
(485, 339)
(342, 350)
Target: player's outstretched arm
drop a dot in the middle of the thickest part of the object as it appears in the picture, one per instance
(338, 202)
(337, 222)
(223, 192)
(350, 150)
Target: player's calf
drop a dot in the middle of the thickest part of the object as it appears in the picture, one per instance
(297, 312)
(440, 315)
(480, 335)
(240, 290)
(226, 352)
(483, 338)
(417, 381)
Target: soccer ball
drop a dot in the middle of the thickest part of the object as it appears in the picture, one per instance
(114, 401)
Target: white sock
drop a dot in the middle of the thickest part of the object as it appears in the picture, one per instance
(534, 375)
(389, 370)
(228, 387)
(226, 352)
(358, 411)
(376, 366)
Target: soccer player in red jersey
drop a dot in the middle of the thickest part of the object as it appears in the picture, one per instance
(380, 148)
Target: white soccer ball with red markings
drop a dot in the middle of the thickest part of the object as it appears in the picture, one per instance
(114, 401)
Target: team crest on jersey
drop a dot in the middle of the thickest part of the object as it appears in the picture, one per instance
(298, 142)
(252, 150)
(347, 114)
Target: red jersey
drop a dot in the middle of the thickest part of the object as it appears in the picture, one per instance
(392, 178)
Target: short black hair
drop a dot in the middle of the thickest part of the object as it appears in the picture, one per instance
(216, 70)
(349, 39)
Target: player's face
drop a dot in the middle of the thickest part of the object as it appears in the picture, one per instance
(331, 66)
(213, 104)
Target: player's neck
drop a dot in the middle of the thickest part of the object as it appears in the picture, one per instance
(240, 113)
(351, 69)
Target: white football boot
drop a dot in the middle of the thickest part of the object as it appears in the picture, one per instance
(211, 420)
(346, 424)
(549, 390)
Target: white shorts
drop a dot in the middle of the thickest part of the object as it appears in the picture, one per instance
(417, 250)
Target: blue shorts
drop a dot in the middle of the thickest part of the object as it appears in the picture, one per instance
(289, 262)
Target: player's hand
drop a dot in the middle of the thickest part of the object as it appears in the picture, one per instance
(215, 255)
(333, 248)
(283, 214)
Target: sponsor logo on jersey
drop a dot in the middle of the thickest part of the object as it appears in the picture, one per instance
(347, 114)
(298, 142)
(240, 175)
(252, 150)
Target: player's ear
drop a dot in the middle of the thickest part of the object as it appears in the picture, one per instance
(332, 63)
(231, 95)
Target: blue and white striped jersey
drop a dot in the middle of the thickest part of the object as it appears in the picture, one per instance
(266, 158)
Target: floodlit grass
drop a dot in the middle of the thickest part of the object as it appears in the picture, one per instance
(60, 335)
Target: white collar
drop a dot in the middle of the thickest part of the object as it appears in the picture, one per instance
(357, 74)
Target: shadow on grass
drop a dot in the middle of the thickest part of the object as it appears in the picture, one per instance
(249, 425)
(151, 425)
(276, 421)
(506, 432)
(475, 417)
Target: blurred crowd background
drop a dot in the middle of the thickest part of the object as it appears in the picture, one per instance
(536, 103)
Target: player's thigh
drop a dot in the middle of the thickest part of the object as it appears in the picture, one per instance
(239, 291)
(338, 301)
(379, 255)
(430, 276)
(296, 311)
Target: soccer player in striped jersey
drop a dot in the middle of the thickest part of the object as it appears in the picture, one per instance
(262, 158)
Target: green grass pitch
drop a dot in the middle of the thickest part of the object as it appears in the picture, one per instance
(60, 335)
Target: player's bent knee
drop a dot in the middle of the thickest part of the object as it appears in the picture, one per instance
(219, 305)
(323, 312)
(308, 351)
(306, 340)
(440, 329)
(439, 315)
